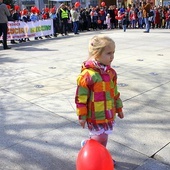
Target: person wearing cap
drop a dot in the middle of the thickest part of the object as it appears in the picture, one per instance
(75, 19)
(64, 14)
(4, 14)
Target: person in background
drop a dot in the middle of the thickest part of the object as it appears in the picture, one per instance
(108, 21)
(25, 18)
(34, 18)
(119, 18)
(157, 20)
(146, 10)
(64, 17)
(4, 14)
(54, 17)
(94, 18)
(16, 18)
(116, 14)
(46, 16)
(75, 17)
(102, 18)
(167, 17)
(111, 11)
(125, 21)
(10, 18)
(140, 18)
(151, 18)
(85, 16)
(133, 18)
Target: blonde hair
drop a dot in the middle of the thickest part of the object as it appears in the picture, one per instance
(97, 45)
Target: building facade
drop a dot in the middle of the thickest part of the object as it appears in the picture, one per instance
(84, 3)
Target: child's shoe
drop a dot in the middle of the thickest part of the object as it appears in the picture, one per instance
(83, 142)
(114, 162)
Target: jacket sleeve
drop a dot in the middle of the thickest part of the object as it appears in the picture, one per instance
(118, 101)
(82, 95)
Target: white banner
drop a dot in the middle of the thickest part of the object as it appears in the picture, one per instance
(18, 30)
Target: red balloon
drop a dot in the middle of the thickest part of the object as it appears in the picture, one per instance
(38, 11)
(16, 7)
(52, 10)
(77, 4)
(94, 156)
(46, 10)
(8, 6)
(103, 4)
(44, 16)
(24, 12)
(33, 9)
(99, 21)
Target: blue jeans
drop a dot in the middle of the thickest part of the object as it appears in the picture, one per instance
(140, 22)
(167, 25)
(124, 28)
(147, 25)
(133, 23)
(75, 27)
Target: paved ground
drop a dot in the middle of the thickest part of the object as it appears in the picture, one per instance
(38, 125)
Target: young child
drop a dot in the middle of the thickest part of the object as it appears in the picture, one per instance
(124, 21)
(108, 18)
(97, 98)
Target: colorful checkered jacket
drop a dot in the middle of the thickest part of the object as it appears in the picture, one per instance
(97, 97)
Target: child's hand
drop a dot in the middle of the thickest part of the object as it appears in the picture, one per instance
(82, 123)
(121, 115)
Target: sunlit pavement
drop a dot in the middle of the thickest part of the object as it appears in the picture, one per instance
(38, 124)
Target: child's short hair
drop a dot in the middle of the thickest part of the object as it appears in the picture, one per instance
(97, 44)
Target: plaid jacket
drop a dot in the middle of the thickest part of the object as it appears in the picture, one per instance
(97, 98)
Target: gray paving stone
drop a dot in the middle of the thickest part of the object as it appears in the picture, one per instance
(17, 126)
(144, 129)
(38, 124)
(151, 164)
(163, 154)
(52, 150)
(157, 97)
(59, 148)
(40, 88)
(64, 107)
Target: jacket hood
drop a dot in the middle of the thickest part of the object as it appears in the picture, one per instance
(93, 64)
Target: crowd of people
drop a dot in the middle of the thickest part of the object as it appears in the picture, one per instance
(76, 19)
